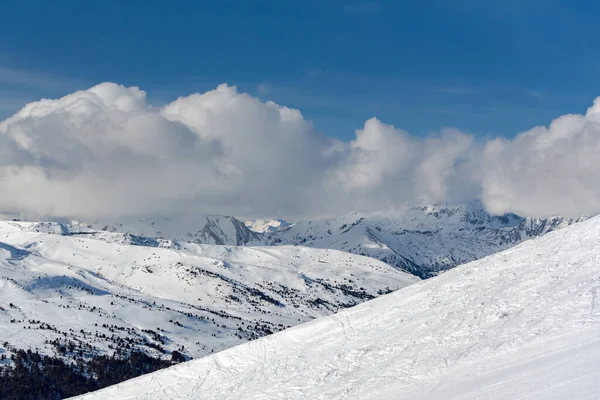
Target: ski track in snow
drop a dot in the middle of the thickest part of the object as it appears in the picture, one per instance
(518, 324)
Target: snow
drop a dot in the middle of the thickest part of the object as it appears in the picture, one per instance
(523, 323)
(206, 298)
(267, 225)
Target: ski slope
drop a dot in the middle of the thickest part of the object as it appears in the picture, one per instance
(103, 292)
(523, 323)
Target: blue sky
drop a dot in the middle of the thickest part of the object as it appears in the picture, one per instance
(486, 67)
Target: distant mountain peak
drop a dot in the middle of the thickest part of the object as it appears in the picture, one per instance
(267, 225)
(196, 228)
(423, 240)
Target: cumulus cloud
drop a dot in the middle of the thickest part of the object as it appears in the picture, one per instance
(385, 167)
(546, 170)
(104, 152)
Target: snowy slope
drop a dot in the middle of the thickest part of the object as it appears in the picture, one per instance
(421, 240)
(523, 323)
(102, 290)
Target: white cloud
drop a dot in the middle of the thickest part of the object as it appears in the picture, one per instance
(104, 152)
(385, 167)
(546, 170)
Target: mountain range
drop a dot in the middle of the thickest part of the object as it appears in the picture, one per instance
(154, 291)
(422, 240)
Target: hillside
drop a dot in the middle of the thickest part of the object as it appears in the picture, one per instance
(523, 323)
(76, 293)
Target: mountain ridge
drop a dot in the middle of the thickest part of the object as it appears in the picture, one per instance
(422, 240)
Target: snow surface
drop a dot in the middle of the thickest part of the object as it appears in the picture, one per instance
(523, 323)
(99, 288)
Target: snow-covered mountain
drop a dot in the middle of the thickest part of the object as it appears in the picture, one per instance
(197, 228)
(523, 323)
(73, 292)
(267, 225)
(421, 240)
